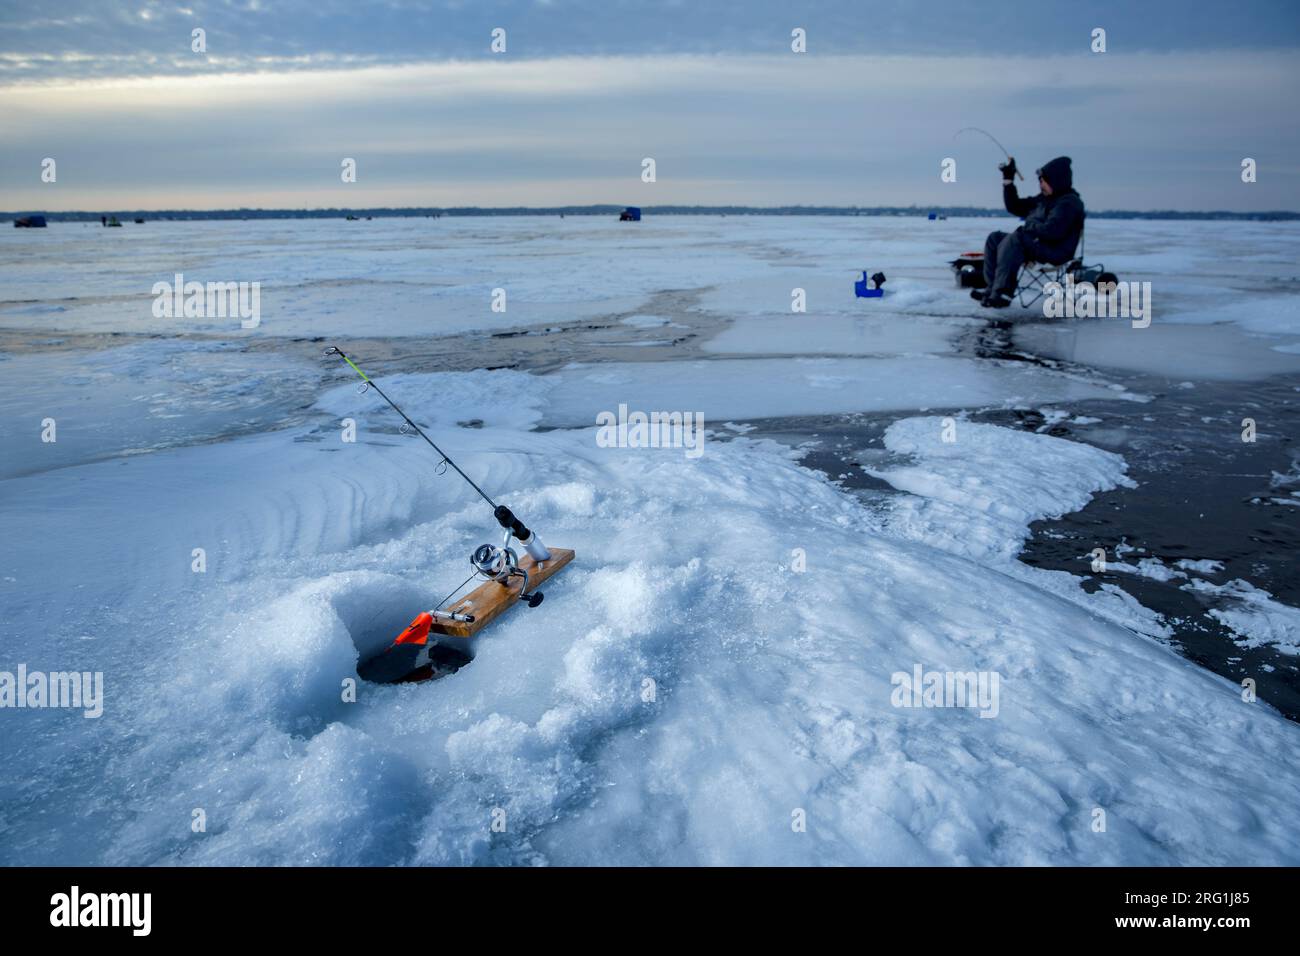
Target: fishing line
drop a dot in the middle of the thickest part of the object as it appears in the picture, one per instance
(374, 616)
(472, 576)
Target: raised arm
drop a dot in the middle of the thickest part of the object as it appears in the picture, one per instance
(1010, 198)
(1015, 204)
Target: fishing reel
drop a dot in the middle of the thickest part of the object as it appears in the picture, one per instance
(500, 565)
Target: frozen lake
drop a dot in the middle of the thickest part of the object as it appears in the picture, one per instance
(887, 484)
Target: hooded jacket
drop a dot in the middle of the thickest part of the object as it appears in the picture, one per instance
(1053, 224)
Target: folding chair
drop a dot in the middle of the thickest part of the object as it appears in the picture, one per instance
(1036, 278)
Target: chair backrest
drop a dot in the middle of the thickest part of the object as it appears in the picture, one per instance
(1078, 248)
(1080, 245)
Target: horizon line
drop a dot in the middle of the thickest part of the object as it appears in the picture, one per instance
(307, 212)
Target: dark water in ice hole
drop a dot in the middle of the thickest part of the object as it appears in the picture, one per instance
(1202, 493)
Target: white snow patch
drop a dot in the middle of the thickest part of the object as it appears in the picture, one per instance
(1253, 615)
(1152, 568)
(1202, 566)
(978, 494)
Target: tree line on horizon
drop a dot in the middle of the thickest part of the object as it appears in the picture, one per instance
(182, 215)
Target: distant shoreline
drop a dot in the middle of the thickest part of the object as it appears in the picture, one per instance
(182, 215)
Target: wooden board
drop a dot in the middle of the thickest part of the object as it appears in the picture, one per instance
(487, 601)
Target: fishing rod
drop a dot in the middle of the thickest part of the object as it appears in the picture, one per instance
(505, 517)
(990, 136)
(412, 655)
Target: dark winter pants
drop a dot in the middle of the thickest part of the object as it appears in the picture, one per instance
(1003, 256)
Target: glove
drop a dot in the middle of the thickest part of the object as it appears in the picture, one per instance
(1008, 168)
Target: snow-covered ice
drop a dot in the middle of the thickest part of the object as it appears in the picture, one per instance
(975, 488)
(721, 657)
(839, 335)
(756, 388)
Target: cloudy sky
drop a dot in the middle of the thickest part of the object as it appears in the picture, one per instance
(585, 90)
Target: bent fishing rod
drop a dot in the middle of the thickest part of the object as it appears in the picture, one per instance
(976, 129)
(505, 517)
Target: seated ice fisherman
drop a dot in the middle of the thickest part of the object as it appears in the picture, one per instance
(1053, 224)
